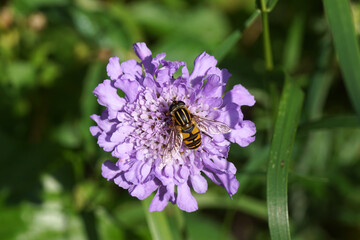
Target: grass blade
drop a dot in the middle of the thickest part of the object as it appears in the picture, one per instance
(339, 16)
(271, 4)
(280, 153)
(157, 222)
(230, 42)
(293, 44)
(320, 83)
(227, 45)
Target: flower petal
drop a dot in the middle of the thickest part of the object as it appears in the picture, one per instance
(121, 133)
(145, 171)
(123, 150)
(163, 76)
(230, 114)
(121, 181)
(212, 87)
(145, 55)
(149, 81)
(142, 191)
(173, 66)
(130, 88)
(102, 121)
(109, 170)
(113, 68)
(142, 51)
(108, 97)
(243, 134)
(185, 200)
(202, 64)
(105, 142)
(95, 131)
(199, 183)
(132, 69)
(131, 174)
(228, 181)
(160, 201)
(240, 96)
(223, 74)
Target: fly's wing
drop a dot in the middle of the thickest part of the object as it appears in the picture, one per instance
(172, 146)
(211, 126)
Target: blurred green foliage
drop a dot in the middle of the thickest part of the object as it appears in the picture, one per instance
(53, 53)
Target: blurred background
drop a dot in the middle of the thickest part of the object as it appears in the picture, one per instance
(53, 53)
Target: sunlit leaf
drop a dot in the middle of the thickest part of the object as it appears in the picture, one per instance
(280, 153)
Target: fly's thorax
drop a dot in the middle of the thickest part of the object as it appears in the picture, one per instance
(181, 116)
(176, 105)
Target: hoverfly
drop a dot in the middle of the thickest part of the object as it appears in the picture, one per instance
(186, 128)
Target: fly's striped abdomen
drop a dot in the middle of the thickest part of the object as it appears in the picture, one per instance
(192, 137)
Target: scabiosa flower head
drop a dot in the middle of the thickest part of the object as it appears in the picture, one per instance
(136, 128)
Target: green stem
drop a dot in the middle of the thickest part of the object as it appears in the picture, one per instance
(266, 37)
(157, 222)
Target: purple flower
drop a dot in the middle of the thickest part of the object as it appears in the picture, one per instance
(136, 128)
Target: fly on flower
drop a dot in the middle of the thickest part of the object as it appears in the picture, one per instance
(187, 127)
(146, 129)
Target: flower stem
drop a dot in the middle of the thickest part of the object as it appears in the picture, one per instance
(157, 222)
(266, 37)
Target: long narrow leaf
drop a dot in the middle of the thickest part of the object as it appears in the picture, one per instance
(227, 45)
(280, 152)
(293, 44)
(271, 4)
(230, 42)
(338, 14)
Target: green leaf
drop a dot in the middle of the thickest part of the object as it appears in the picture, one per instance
(280, 153)
(293, 44)
(227, 45)
(339, 16)
(157, 222)
(320, 83)
(230, 41)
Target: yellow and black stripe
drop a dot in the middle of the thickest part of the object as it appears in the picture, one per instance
(192, 137)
